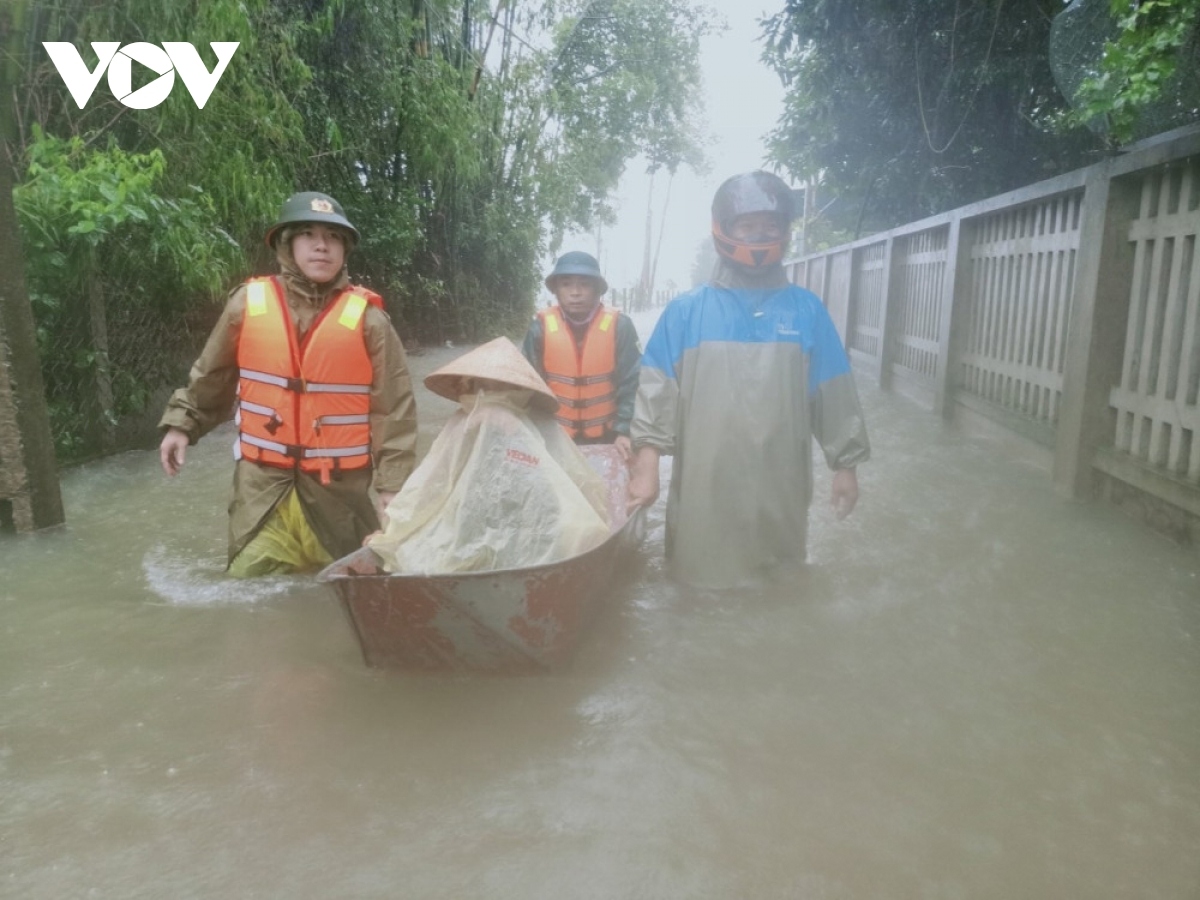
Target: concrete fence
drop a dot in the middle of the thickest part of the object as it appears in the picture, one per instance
(1067, 312)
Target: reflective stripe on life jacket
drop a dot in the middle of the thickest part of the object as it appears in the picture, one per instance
(583, 378)
(304, 405)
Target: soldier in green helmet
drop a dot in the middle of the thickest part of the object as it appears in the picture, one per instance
(588, 354)
(318, 383)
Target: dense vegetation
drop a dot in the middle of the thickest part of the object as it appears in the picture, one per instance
(463, 139)
(1131, 70)
(905, 108)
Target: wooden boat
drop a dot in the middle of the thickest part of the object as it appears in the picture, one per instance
(512, 621)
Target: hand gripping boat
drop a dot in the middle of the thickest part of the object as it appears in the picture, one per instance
(513, 621)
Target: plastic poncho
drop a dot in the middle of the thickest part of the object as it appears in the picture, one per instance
(501, 488)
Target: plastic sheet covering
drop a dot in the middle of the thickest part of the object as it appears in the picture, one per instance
(502, 487)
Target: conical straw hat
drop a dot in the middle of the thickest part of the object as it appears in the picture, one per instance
(499, 360)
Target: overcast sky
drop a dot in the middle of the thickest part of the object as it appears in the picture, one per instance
(743, 99)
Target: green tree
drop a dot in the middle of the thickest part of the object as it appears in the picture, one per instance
(1130, 69)
(619, 83)
(468, 139)
(461, 137)
(905, 109)
(112, 266)
(241, 149)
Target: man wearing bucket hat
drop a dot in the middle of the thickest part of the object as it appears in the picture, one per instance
(322, 400)
(739, 377)
(588, 353)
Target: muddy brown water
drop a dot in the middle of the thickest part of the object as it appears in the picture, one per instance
(975, 690)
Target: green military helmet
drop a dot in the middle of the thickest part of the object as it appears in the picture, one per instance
(311, 206)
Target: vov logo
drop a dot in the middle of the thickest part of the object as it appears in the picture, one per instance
(170, 58)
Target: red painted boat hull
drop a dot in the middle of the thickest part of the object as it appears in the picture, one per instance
(514, 621)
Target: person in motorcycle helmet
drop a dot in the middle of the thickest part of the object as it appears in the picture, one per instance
(738, 378)
(751, 221)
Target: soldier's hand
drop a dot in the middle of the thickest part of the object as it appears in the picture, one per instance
(624, 448)
(172, 452)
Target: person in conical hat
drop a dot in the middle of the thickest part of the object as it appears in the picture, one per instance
(588, 353)
(307, 460)
(496, 365)
(502, 486)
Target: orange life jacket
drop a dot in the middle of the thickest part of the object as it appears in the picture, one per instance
(583, 378)
(304, 405)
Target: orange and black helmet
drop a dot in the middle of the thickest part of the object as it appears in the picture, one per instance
(752, 192)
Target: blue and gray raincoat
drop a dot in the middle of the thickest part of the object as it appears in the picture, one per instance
(735, 384)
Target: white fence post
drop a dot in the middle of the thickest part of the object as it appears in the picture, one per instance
(1096, 335)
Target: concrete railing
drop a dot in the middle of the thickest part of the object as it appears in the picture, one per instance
(1067, 311)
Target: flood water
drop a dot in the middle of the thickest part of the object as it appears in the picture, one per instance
(975, 690)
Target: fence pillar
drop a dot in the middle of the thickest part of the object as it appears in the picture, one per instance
(853, 280)
(837, 304)
(826, 295)
(888, 311)
(956, 297)
(794, 275)
(1099, 315)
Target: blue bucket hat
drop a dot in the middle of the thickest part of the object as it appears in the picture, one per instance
(577, 263)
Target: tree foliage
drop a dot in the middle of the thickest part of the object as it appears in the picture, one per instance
(462, 137)
(77, 203)
(1131, 70)
(106, 249)
(904, 109)
(241, 149)
(605, 94)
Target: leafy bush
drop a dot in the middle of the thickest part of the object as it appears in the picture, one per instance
(111, 265)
